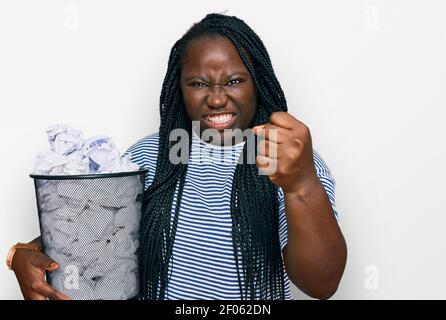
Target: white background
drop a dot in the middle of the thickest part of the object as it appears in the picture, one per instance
(367, 77)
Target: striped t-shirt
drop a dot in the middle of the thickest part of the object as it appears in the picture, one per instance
(203, 264)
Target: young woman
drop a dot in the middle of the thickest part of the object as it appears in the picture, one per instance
(214, 229)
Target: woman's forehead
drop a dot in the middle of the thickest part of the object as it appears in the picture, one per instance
(212, 53)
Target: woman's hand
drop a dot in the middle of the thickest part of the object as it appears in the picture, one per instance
(286, 152)
(30, 267)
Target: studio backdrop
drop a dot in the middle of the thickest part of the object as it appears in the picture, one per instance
(367, 77)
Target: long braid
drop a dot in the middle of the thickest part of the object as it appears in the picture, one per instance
(254, 201)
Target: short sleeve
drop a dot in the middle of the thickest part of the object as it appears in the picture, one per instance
(327, 181)
(145, 153)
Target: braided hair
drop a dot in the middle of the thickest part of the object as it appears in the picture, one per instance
(254, 199)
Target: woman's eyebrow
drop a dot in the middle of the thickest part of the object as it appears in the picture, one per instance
(195, 78)
(229, 75)
(240, 74)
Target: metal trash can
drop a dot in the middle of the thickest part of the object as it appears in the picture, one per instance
(90, 225)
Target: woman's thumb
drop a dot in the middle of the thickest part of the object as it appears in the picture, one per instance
(46, 263)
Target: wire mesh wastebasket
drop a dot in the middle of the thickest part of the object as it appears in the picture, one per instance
(90, 225)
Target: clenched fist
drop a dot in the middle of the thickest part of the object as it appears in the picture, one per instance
(285, 153)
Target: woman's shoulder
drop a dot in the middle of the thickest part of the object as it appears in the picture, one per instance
(146, 144)
(145, 150)
(150, 140)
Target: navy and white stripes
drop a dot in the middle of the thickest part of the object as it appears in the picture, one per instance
(203, 264)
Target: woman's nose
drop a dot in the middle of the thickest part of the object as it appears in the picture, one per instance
(217, 97)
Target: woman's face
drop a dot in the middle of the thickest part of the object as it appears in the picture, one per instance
(218, 90)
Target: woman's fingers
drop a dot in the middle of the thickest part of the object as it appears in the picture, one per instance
(267, 148)
(41, 290)
(34, 296)
(44, 262)
(266, 165)
(52, 294)
(272, 133)
(30, 267)
(31, 295)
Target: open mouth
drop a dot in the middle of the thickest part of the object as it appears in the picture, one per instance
(220, 121)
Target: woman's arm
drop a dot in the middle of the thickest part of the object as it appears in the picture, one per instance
(316, 252)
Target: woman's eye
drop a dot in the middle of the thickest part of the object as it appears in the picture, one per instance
(198, 84)
(232, 82)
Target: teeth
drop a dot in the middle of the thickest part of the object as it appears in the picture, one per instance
(220, 118)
